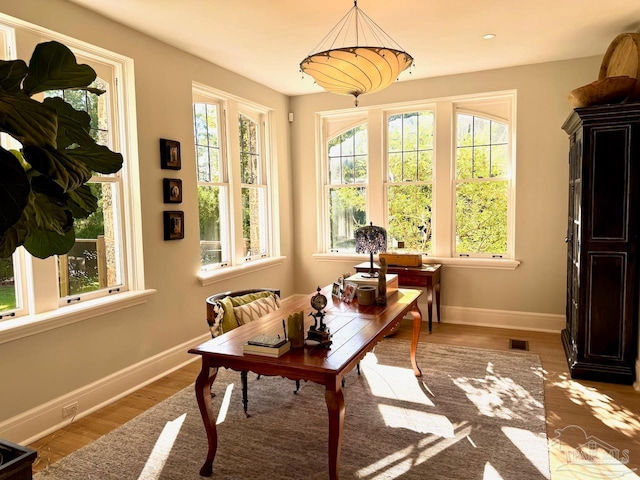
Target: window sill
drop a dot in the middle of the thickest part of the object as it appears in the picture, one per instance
(27, 325)
(225, 273)
(464, 262)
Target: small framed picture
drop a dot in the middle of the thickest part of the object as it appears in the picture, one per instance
(172, 190)
(349, 292)
(170, 154)
(173, 225)
(335, 291)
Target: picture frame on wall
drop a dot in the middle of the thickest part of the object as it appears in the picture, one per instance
(172, 190)
(173, 225)
(170, 154)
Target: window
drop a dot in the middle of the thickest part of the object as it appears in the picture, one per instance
(409, 177)
(482, 185)
(436, 175)
(105, 259)
(232, 171)
(346, 190)
(94, 263)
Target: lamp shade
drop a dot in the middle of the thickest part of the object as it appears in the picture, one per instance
(341, 64)
(371, 239)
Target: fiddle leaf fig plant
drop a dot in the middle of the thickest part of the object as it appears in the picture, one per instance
(43, 185)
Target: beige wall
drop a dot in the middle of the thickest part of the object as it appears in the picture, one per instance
(42, 367)
(538, 284)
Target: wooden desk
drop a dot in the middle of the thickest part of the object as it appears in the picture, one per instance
(426, 276)
(355, 330)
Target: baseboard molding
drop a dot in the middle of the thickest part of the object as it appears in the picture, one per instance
(537, 322)
(33, 424)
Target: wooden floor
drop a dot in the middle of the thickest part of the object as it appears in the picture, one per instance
(606, 413)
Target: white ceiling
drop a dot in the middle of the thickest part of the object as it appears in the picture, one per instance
(265, 40)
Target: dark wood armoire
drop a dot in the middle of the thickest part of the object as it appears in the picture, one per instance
(603, 286)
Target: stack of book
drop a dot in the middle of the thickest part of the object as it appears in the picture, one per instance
(267, 345)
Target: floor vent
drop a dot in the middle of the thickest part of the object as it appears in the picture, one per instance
(518, 344)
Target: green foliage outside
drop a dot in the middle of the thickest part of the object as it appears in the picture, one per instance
(7, 285)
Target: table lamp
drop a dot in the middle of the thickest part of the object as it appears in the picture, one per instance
(371, 239)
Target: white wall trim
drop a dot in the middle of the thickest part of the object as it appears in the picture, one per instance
(44, 419)
(480, 317)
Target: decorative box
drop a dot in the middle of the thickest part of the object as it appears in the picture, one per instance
(402, 259)
(360, 279)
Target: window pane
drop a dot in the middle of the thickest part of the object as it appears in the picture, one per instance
(254, 221)
(465, 130)
(482, 147)
(205, 119)
(409, 216)
(211, 205)
(410, 147)
(347, 157)
(481, 217)
(7, 285)
(499, 160)
(249, 151)
(346, 214)
(94, 262)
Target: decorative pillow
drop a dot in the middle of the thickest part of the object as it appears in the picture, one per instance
(218, 316)
(254, 310)
(229, 321)
(248, 297)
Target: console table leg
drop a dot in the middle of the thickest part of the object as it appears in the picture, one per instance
(203, 386)
(417, 325)
(335, 407)
(437, 288)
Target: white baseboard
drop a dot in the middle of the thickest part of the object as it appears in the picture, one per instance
(537, 322)
(33, 424)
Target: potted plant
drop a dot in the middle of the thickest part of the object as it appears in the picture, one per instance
(43, 185)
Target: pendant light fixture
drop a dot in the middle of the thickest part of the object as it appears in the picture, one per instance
(356, 57)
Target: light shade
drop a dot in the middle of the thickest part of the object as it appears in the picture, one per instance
(340, 64)
(371, 239)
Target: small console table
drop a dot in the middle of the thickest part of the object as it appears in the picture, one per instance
(426, 276)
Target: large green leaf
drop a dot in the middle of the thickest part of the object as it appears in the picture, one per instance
(14, 189)
(28, 121)
(49, 213)
(43, 244)
(97, 158)
(82, 202)
(11, 239)
(11, 74)
(54, 67)
(64, 170)
(73, 125)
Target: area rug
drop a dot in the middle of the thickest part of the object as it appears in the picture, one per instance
(475, 414)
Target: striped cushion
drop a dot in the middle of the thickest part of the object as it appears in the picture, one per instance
(254, 310)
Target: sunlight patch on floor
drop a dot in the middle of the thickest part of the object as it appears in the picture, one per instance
(490, 473)
(602, 406)
(379, 469)
(532, 446)
(498, 396)
(161, 450)
(393, 382)
(416, 421)
(224, 406)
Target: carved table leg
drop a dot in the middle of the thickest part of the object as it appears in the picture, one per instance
(417, 324)
(203, 386)
(335, 407)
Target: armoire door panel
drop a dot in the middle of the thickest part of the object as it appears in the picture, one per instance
(606, 305)
(609, 183)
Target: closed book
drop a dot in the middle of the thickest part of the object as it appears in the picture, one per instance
(267, 351)
(267, 341)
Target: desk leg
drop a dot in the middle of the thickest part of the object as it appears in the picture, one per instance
(335, 406)
(437, 288)
(203, 395)
(417, 325)
(430, 305)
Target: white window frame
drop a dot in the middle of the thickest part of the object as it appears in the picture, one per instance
(443, 210)
(42, 308)
(232, 106)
